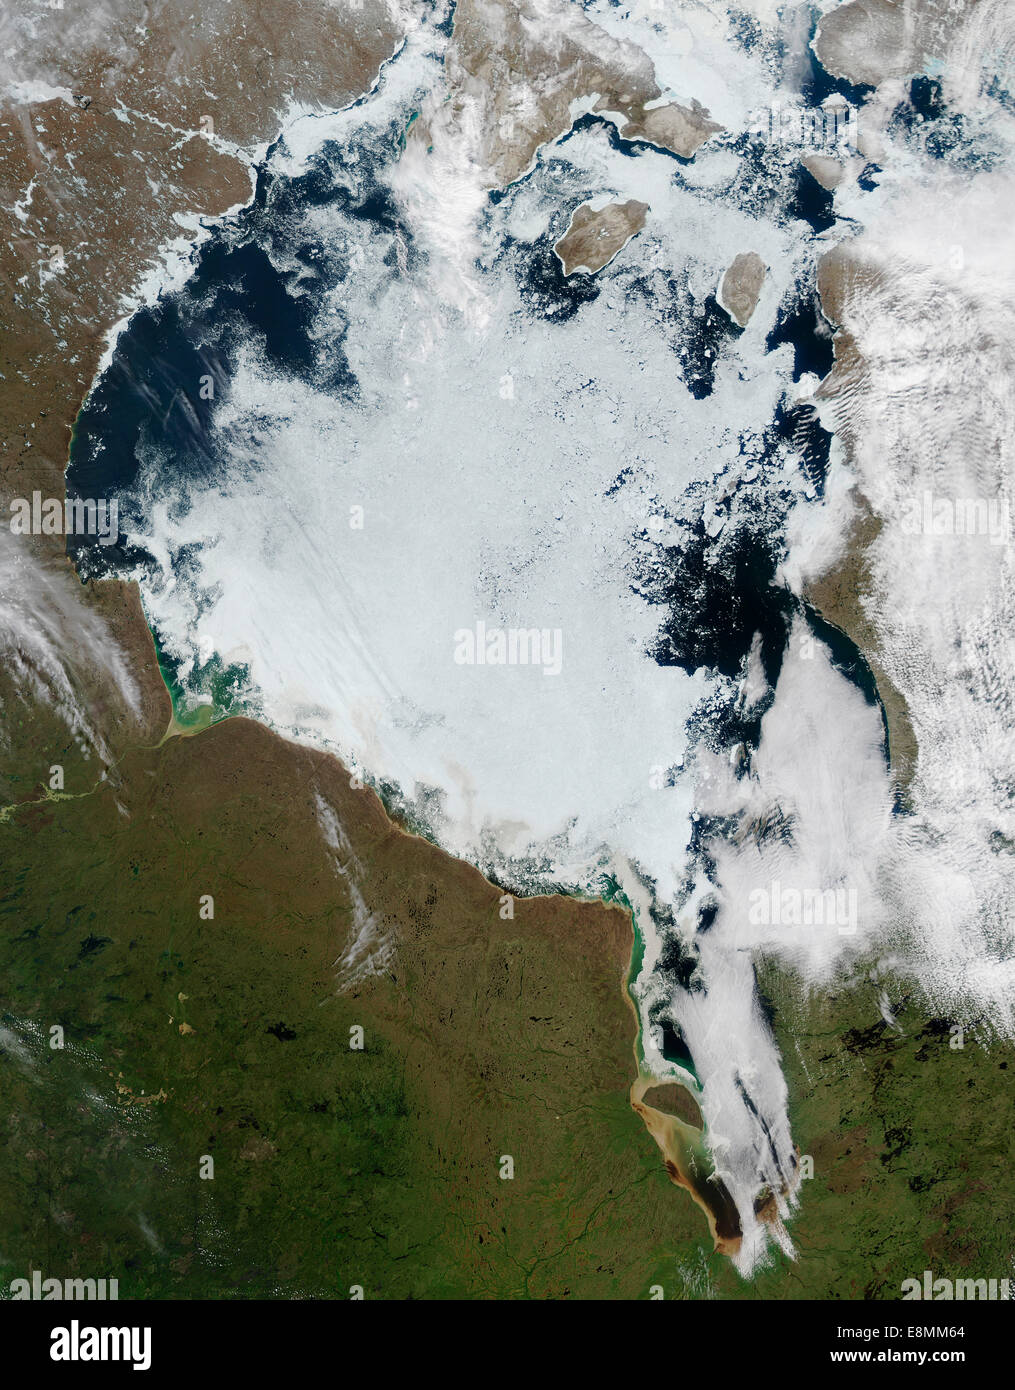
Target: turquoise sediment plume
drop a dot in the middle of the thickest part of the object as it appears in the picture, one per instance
(221, 686)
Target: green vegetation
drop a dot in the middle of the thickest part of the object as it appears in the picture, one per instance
(188, 1036)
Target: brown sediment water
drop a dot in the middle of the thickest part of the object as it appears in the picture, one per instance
(688, 1165)
(681, 1143)
(202, 719)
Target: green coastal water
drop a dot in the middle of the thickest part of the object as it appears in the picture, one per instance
(213, 691)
